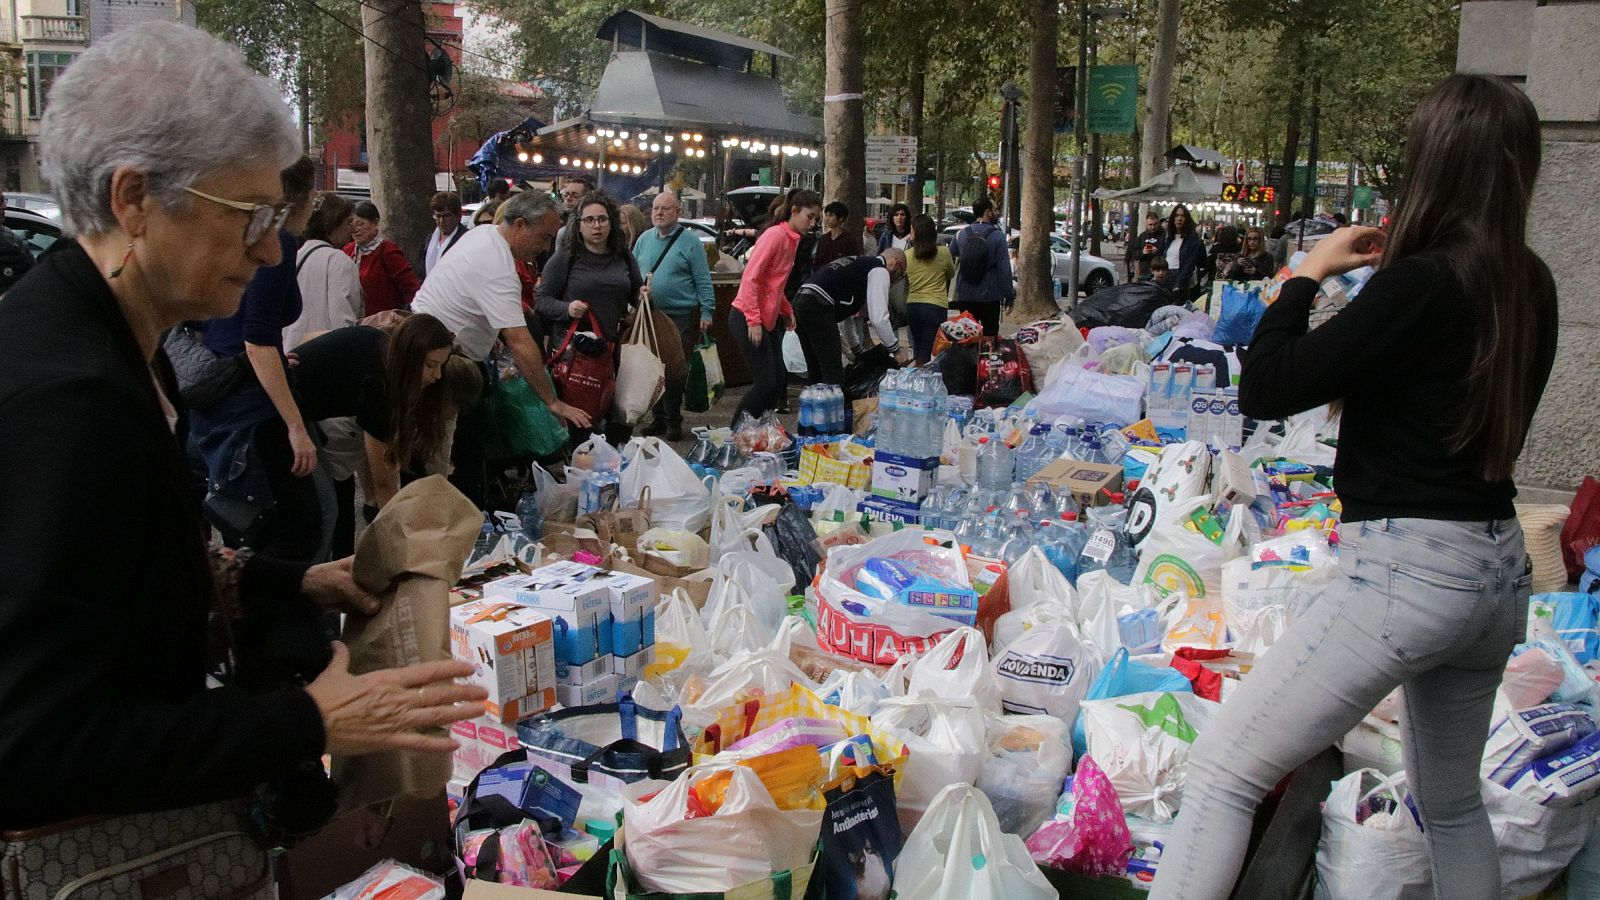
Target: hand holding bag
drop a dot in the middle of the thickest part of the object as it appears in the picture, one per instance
(641, 376)
(585, 370)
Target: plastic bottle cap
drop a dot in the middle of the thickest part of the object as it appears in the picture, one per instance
(600, 829)
(1070, 516)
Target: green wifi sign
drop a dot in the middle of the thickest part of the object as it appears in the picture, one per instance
(1113, 99)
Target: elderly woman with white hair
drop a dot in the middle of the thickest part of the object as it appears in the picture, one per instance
(172, 196)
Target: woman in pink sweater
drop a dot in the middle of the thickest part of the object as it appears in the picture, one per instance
(761, 313)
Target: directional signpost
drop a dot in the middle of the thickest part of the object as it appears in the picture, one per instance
(891, 159)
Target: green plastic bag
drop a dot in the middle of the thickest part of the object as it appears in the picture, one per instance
(519, 425)
(698, 392)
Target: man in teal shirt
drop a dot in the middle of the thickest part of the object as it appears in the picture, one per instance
(680, 286)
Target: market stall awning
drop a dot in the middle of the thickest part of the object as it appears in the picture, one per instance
(650, 90)
(1181, 183)
(1199, 157)
(631, 28)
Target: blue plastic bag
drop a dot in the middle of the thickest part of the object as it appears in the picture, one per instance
(1576, 620)
(1241, 312)
(1123, 676)
(1589, 581)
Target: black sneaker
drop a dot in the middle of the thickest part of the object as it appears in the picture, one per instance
(656, 428)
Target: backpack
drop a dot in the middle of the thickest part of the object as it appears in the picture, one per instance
(974, 255)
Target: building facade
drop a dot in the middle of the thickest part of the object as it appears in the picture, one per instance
(1552, 50)
(38, 40)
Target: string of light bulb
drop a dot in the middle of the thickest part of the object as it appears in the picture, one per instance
(760, 146)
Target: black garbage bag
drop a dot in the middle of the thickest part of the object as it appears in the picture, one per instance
(861, 379)
(1128, 305)
(958, 366)
(795, 541)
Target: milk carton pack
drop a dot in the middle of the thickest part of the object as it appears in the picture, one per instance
(511, 648)
(633, 611)
(574, 596)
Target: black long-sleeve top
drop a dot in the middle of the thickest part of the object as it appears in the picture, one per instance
(105, 584)
(1398, 356)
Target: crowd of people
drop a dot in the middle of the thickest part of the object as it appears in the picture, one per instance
(1181, 258)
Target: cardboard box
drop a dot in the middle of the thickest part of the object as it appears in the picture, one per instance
(512, 651)
(880, 509)
(573, 676)
(904, 478)
(584, 610)
(601, 690)
(631, 595)
(632, 666)
(1083, 480)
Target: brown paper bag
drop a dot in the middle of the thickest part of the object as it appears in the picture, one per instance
(697, 585)
(620, 526)
(563, 539)
(862, 414)
(410, 557)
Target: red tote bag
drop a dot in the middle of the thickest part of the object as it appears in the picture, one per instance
(583, 376)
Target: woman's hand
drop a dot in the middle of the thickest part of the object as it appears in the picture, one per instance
(332, 586)
(755, 332)
(576, 309)
(1346, 249)
(383, 710)
(570, 414)
(305, 451)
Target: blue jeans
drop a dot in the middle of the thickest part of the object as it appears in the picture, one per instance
(1432, 606)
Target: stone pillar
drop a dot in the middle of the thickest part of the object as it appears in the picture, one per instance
(1553, 51)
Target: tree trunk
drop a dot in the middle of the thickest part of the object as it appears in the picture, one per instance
(1291, 144)
(1309, 208)
(845, 174)
(915, 97)
(399, 121)
(1035, 297)
(1158, 97)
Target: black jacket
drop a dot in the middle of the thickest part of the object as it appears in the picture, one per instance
(106, 584)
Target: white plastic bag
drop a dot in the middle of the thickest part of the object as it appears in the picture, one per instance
(756, 580)
(767, 670)
(1535, 842)
(748, 838)
(1101, 599)
(1300, 438)
(1178, 560)
(1029, 761)
(948, 744)
(1383, 858)
(1142, 743)
(853, 624)
(1071, 390)
(794, 357)
(957, 666)
(736, 630)
(675, 547)
(732, 524)
(677, 498)
(1179, 473)
(1034, 579)
(959, 852)
(557, 502)
(1048, 670)
(858, 692)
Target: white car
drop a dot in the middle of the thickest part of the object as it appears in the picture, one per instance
(1095, 273)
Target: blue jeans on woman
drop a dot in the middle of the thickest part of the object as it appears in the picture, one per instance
(1432, 606)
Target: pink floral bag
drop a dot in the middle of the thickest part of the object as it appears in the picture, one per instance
(1095, 840)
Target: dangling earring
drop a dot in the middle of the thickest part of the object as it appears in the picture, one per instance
(124, 264)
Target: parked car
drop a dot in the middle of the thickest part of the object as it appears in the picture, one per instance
(37, 230)
(1313, 229)
(1095, 273)
(39, 203)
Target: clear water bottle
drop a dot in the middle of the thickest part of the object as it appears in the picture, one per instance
(969, 532)
(1108, 549)
(839, 418)
(807, 422)
(703, 452)
(933, 507)
(995, 469)
(532, 522)
(1073, 538)
(1019, 537)
(990, 542)
(889, 412)
(1045, 504)
(1017, 503)
(1051, 541)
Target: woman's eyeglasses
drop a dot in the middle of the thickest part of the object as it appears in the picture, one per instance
(594, 220)
(264, 218)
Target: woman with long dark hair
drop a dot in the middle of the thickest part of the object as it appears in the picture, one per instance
(1438, 365)
(592, 271)
(929, 269)
(761, 311)
(1184, 251)
(380, 400)
(897, 231)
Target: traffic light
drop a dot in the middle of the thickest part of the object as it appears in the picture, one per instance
(994, 185)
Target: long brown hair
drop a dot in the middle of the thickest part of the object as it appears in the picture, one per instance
(418, 414)
(924, 239)
(1472, 156)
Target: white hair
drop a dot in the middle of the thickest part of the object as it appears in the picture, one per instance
(168, 100)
